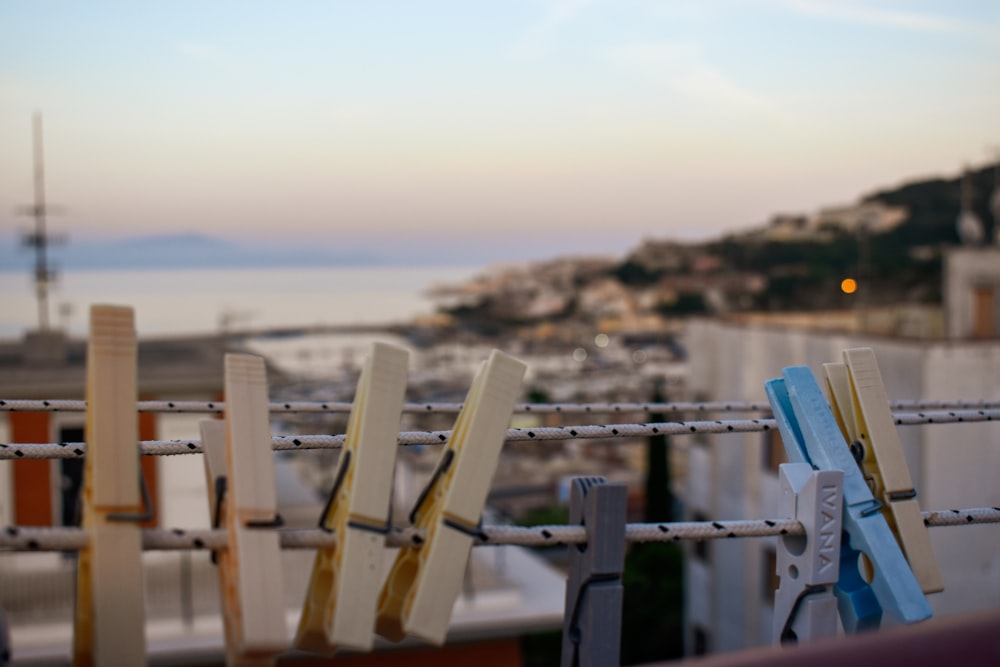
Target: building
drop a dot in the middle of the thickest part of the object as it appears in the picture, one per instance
(48, 365)
(730, 584)
(972, 292)
(871, 217)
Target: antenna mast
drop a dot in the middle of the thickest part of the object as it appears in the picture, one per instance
(39, 238)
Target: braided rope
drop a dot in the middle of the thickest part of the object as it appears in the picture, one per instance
(17, 538)
(71, 450)
(295, 407)
(962, 517)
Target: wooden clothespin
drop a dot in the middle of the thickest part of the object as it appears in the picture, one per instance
(811, 435)
(422, 586)
(250, 573)
(343, 590)
(592, 625)
(213, 447)
(805, 607)
(110, 616)
(863, 412)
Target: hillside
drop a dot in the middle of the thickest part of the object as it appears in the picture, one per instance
(902, 264)
(749, 271)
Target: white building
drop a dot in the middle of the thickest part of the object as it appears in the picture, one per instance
(730, 583)
(874, 216)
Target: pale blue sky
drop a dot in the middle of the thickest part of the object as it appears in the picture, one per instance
(573, 124)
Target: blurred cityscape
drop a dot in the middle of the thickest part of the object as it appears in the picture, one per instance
(913, 272)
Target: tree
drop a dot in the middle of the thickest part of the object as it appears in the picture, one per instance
(653, 614)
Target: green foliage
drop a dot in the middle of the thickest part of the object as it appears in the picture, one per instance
(635, 274)
(550, 515)
(653, 616)
(689, 303)
(933, 207)
(538, 395)
(653, 613)
(542, 649)
(806, 274)
(659, 500)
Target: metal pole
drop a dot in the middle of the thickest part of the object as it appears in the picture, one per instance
(41, 260)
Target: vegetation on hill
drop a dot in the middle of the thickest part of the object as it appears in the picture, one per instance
(747, 271)
(933, 207)
(900, 265)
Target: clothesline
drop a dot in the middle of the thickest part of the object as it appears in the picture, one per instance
(72, 450)
(293, 407)
(72, 539)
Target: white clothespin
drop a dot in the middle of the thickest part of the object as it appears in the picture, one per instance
(866, 420)
(250, 572)
(343, 590)
(110, 617)
(805, 607)
(420, 592)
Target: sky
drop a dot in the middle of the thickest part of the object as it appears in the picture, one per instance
(508, 129)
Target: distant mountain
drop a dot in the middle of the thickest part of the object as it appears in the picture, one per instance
(178, 251)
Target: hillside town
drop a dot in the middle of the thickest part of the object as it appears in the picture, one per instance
(670, 321)
(794, 263)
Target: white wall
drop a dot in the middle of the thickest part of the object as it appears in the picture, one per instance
(954, 465)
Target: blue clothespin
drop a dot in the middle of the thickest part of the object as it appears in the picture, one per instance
(811, 435)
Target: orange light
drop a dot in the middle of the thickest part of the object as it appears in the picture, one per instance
(848, 286)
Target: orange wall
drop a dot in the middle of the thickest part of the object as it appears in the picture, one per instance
(32, 492)
(32, 485)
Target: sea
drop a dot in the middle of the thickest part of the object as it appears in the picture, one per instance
(200, 301)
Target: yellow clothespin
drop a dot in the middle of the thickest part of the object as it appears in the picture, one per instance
(110, 618)
(250, 571)
(421, 589)
(861, 406)
(340, 603)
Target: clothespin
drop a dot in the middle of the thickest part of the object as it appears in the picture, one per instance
(862, 407)
(250, 571)
(418, 596)
(110, 616)
(343, 590)
(859, 609)
(5, 653)
(592, 624)
(213, 447)
(805, 607)
(811, 434)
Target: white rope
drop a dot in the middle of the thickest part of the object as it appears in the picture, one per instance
(962, 517)
(17, 538)
(72, 450)
(295, 407)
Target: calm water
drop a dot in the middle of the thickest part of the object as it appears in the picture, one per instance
(195, 301)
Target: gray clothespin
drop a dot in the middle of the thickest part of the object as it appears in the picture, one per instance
(5, 653)
(594, 592)
(804, 604)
